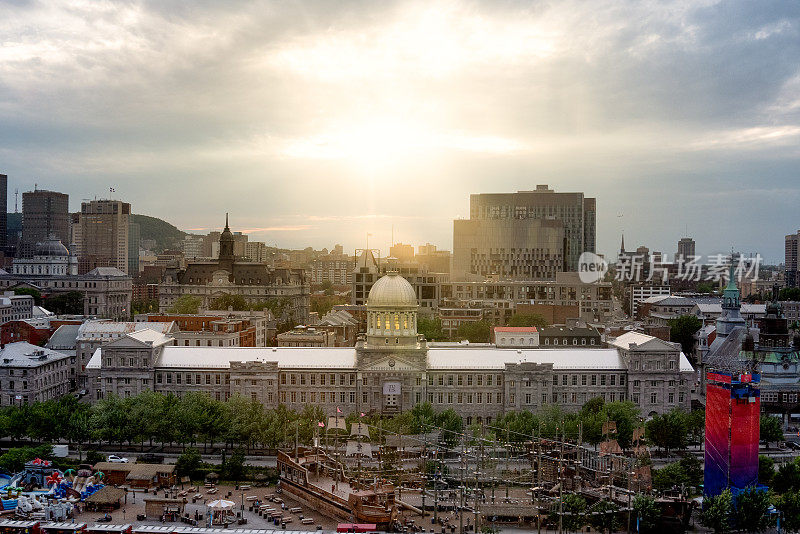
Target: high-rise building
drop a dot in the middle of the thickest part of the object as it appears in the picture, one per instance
(402, 251)
(101, 235)
(44, 214)
(686, 249)
(527, 235)
(790, 262)
(3, 210)
(134, 242)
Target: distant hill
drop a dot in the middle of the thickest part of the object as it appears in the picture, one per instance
(163, 233)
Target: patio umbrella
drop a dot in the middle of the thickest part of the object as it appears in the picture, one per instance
(221, 504)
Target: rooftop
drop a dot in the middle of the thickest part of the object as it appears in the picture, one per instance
(96, 329)
(22, 354)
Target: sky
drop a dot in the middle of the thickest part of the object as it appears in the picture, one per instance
(316, 123)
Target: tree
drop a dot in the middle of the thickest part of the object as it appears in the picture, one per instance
(686, 472)
(185, 304)
(234, 302)
(37, 296)
(233, 468)
(789, 506)
(648, 512)
(188, 462)
(604, 517)
(574, 516)
(474, 332)
(766, 469)
(70, 303)
(431, 329)
(705, 288)
(717, 511)
(771, 429)
(524, 319)
(751, 510)
(669, 430)
(787, 478)
(789, 293)
(682, 330)
(144, 306)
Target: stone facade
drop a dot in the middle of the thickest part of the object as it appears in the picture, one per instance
(32, 374)
(392, 368)
(106, 290)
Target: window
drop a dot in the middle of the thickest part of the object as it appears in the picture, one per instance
(671, 398)
(594, 380)
(583, 380)
(613, 380)
(555, 380)
(653, 398)
(602, 380)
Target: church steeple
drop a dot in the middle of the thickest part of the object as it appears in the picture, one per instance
(226, 245)
(622, 245)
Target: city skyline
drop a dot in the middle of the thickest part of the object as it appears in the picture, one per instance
(315, 125)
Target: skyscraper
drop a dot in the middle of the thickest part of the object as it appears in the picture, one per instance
(134, 241)
(685, 248)
(790, 262)
(44, 213)
(527, 235)
(3, 210)
(101, 234)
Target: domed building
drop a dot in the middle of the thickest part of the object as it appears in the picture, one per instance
(392, 313)
(51, 258)
(392, 368)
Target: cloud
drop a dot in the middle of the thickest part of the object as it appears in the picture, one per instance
(402, 109)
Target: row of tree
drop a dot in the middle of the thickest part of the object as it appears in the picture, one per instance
(192, 419)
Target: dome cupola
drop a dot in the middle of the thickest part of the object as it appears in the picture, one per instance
(392, 312)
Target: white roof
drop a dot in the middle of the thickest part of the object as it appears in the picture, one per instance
(496, 358)
(290, 357)
(95, 329)
(150, 336)
(716, 307)
(629, 338)
(23, 354)
(655, 298)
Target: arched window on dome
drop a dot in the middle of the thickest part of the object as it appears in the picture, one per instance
(397, 321)
(378, 318)
(405, 321)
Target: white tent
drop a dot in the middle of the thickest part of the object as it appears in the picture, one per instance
(221, 504)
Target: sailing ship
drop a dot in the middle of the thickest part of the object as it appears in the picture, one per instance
(313, 477)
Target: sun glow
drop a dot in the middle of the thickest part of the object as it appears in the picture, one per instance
(386, 142)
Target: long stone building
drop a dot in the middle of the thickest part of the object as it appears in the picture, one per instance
(392, 368)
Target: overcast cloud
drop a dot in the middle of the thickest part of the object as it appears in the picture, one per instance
(314, 123)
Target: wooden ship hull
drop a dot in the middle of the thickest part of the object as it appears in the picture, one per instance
(318, 481)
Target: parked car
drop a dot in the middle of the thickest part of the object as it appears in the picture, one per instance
(114, 459)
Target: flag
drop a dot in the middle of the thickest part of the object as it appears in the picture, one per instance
(321, 424)
(338, 410)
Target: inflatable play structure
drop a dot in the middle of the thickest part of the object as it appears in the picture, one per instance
(40, 491)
